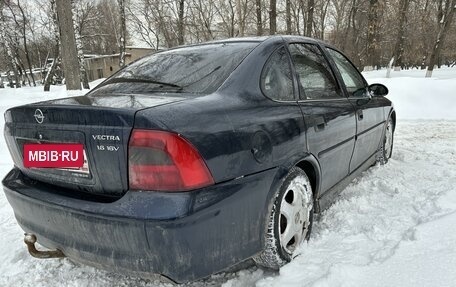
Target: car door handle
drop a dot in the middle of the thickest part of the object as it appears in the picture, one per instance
(320, 123)
(360, 114)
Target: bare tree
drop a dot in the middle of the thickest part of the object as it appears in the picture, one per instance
(446, 13)
(200, 25)
(226, 10)
(180, 22)
(310, 14)
(272, 17)
(372, 34)
(370, 31)
(400, 41)
(323, 15)
(297, 11)
(68, 45)
(79, 47)
(123, 33)
(24, 39)
(144, 22)
(288, 15)
(10, 45)
(18, 31)
(243, 11)
(259, 18)
(56, 48)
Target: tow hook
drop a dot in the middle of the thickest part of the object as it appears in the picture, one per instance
(30, 240)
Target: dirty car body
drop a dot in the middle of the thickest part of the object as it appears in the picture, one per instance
(244, 113)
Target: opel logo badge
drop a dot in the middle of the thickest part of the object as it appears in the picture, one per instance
(39, 117)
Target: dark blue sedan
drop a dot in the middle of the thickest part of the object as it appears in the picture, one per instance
(198, 158)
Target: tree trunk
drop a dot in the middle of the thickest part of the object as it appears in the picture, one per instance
(304, 16)
(241, 29)
(259, 20)
(79, 47)
(24, 38)
(180, 24)
(310, 13)
(296, 17)
(11, 45)
(399, 47)
(324, 11)
(123, 34)
(16, 67)
(232, 18)
(445, 23)
(288, 15)
(349, 26)
(273, 17)
(50, 75)
(68, 44)
(22, 70)
(424, 37)
(9, 53)
(56, 52)
(372, 34)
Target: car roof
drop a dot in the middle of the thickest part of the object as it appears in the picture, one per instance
(269, 37)
(259, 39)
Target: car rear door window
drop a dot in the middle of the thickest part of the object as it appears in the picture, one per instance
(315, 77)
(353, 80)
(277, 78)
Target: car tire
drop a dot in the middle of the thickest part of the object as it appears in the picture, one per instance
(386, 149)
(290, 220)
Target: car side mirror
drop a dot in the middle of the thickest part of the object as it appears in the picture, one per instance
(378, 90)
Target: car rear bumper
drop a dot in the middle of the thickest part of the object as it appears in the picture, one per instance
(183, 236)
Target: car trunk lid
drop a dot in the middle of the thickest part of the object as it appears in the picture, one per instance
(102, 124)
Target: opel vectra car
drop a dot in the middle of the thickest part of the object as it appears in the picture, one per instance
(197, 158)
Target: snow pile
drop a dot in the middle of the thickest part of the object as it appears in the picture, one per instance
(416, 97)
(393, 226)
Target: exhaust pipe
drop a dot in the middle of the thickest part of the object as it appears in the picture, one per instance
(30, 240)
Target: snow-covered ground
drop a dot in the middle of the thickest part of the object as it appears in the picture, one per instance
(393, 226)
(416, 97)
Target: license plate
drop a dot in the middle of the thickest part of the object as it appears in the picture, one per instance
(66, 156)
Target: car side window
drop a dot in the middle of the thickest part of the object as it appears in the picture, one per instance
(277, 78)
(315, 77)
(352, 78)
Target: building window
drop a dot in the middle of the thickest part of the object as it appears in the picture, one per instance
(110, 68)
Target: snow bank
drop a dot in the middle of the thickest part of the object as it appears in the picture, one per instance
(416, 97)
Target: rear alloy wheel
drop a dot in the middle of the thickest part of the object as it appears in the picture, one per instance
(386, 149)
(290, 221)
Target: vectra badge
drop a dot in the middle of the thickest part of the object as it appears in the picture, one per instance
(39, 117)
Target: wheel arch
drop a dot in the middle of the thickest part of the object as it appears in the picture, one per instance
(305, 162)
(311, 167)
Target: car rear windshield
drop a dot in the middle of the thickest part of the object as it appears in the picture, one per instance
(196, 69)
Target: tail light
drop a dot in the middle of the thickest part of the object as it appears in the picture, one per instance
(165, 161)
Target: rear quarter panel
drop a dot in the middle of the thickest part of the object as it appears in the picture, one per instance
(237, 130)
(235, 137)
